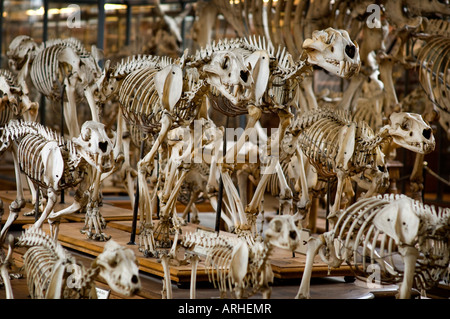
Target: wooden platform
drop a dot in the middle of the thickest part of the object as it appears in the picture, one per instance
(284, 265)
(119, 221)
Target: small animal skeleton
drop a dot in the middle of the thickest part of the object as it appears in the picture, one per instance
(53, 273)
(235, 263)
(406, 240)
(56, 164)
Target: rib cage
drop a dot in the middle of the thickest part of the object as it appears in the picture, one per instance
(11, 111)
(31, 138)
(46, 74)
(141, 104)
(434, 75)
(40, 259)
(219, 252)
(318, 135)
(361, 244)
(139, 99)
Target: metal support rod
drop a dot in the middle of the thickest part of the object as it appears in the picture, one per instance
(136, 203)
(42, 103)
(45, 22)
(62, 197)
(328, 204)
(220, 194)
(128, 25)
(2, 8)
(36, 204)
(101, 27)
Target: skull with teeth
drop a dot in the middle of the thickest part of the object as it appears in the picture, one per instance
(118, 266)
(283, 233)
(410, 131)
(334, 51)
(228, 76)
(95, 146)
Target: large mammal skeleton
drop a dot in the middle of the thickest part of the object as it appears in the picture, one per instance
(55, 164)
(53, 273)
(406, 240)
(158, 95)
(337, 146)
(15, 104)
(57, 67)
(278, 84)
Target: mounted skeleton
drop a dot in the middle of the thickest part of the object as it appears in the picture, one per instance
(276, 90)
(53, 273)
(236, 264)
(406, 240)
(57, 67)
(163, 96)
(56, 164)
(338, 147)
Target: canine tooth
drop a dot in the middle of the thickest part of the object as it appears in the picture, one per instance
(236, 90)
(341, 67)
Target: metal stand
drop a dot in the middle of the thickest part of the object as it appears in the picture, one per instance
(220, 194)
(136, 203)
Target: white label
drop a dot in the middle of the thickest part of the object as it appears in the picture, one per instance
(102, 293)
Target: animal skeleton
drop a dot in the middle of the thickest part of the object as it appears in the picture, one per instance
(158, 97)
(15, 103)
(236, 263)
(59, 66)
(382, 229)
(330, 49)
(338, 146)
(53, 273)
(56, 164)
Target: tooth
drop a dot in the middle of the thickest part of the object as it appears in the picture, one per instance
(236, 90)
(341, 67)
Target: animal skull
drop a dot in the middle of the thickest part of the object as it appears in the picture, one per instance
(19, 50)
(228, 76)
(410, 131)
(118, 266)
(95, 146)
(283, 233)
(334, 51)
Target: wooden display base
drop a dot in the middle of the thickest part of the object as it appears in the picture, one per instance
(119, 221)
(284, 265)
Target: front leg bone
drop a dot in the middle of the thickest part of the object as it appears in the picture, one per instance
(314, 244)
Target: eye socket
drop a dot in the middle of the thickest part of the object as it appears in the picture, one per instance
(112, 262)
(225, 63)
(405, 126)
(330, 39)
(277, 225)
